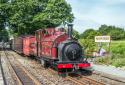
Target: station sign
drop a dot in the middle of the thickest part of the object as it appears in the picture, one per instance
(102, 39)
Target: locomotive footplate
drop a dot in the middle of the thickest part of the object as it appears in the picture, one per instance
(72, 62)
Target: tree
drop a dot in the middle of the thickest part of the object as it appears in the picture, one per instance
(3, 13)
(26, 16)
(22, 13)
(3, 20)
(87, 40)
(56, 12)
(89, 34)
(3, 35)
(76, 34)
(116, 33)
(88, 45)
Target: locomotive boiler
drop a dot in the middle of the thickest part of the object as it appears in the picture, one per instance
(55, 48)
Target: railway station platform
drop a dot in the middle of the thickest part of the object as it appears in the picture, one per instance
(110, 71)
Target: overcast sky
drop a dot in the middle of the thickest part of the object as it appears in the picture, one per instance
(93, 13)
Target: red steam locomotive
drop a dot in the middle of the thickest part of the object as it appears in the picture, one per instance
(54, 48)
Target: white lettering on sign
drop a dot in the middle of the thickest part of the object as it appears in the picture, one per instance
(102, 39)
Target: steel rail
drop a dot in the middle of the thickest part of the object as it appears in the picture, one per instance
(81, 81)
(3, 75)
(23, 76)
(13, 73)
(84, 81)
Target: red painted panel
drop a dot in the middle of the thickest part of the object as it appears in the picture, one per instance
(46, 48)
(25, 46)
(32, 45)
(29, 47)
(68, 66)
(63, 66)
(54, 52)
(84, 65)
(48, 40)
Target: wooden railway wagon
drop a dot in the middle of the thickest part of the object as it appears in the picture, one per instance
(24, 45)
(29, 45)
(17, 44)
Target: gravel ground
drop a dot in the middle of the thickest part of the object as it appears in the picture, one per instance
(6, 70)
(45, 77)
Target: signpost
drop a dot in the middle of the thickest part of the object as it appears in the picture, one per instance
(101, 39)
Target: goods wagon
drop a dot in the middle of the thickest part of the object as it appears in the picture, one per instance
(18, 44)
(29, 47)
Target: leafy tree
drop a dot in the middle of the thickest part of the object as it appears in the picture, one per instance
(22, 13)
(3, 20)
(76, 34)
(3, 13)
(56, 12)
(87, 40)
(88, 45)
(4, 1)
(116, 33)
(3, 35)
(89, 34)
(26, 16)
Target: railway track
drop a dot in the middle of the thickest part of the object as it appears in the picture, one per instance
(77, 80)
(84, 81)
(19, 74)
(80, 80)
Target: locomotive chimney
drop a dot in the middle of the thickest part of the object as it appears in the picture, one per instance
(70, 29)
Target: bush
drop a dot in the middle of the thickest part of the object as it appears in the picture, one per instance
(118, 49)
(104, 60)
(115, 56)
(118, 62)
(87, 44)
